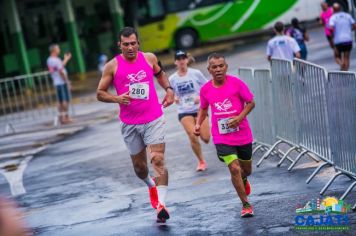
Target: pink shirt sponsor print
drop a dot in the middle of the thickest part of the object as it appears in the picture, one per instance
(226, 102)
(137, 77)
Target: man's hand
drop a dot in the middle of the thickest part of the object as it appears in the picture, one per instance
(168, 99)
(69, 85)
(67, 56)
(124, 98)
(196, 129)
(197, 100)
(235, 121)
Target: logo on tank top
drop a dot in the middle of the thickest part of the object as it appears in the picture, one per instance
(223, 106)
(134, 78)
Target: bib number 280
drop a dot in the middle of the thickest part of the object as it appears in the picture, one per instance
(139, 90)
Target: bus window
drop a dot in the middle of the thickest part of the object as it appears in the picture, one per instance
(185, 5)
(177, 6)
(203, 3)
(150, 11)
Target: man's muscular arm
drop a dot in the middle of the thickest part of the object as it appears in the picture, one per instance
(107, 77)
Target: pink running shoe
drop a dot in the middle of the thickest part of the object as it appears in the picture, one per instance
(247, 211)
(201, 166)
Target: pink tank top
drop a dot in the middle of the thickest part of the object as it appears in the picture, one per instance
(138, 77)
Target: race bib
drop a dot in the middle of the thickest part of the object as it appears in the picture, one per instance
(188, 101)
(224, 127)
(139, 90)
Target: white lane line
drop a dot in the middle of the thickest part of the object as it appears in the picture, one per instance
(15, 178)
(247, 14)
(23, 153)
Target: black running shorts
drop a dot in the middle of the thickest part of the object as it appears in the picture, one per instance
(243, 152)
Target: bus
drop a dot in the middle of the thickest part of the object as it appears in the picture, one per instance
(164, 24)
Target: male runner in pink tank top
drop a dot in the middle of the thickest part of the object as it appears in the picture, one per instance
(142, 122)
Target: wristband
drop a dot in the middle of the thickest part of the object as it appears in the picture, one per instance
(169, 87)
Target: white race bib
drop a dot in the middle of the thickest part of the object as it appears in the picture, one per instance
(139, 90)
(224, 127)
(188, 101)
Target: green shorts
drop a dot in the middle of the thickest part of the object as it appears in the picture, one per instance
(228, 154)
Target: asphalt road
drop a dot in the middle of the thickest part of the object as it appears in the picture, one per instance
(83, 183)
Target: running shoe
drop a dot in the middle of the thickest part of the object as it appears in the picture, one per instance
(201, 166)
(153, 196)
(162, 213)
(247, 187)
(161, 221)
(247, 211)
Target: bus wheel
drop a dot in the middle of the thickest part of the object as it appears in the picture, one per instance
(186, 38)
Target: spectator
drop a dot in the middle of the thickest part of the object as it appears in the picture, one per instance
(60, 80)
(102, 61)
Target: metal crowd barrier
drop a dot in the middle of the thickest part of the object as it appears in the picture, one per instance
(27, 98)
(313, 112)
(256, 81)
(313, 132)
(265, 133)
(284, 109)
(341, 102)
(246, 74)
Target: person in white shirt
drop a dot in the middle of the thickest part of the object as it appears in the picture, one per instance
(282, 46)
(60, 80)
(103, 59)
(186, 83)
(341, 25)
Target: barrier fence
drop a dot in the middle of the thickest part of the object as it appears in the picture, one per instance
(247, 75)
(341, 102)
(265, 129)
(27, 98)
(300, 105)
(284, 109)
(260, 128)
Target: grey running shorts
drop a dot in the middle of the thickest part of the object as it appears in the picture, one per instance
(137, 137)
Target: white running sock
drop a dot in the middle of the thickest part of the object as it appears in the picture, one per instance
(162, 192)
(149, 181)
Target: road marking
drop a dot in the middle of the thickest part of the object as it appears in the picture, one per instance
(15, 177)
(23, 153)
(200, 181)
